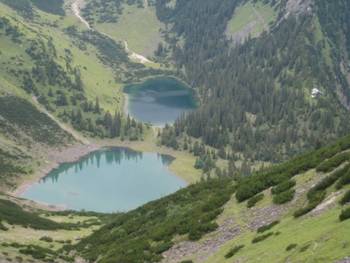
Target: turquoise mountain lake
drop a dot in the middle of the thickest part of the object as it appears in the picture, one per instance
(108, 180)
(159, 100)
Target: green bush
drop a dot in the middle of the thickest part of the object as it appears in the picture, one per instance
(302, 211)
(14, 214)
(46, 239)
(345, 214)
(267, 227)
(282, 187)
(346, 198)
(197, 232)
(252, 201)
(344, 180)
(291, 246)
(327, 181)
(284, 197)
(304, 248)
(317, 193)
(334, 162)
(314, 200)
(160, 248)
(262, 237)
(233, 251)
(262, 180)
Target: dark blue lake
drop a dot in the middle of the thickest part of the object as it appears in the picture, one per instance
(159, 100)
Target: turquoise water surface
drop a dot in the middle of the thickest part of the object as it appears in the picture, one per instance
(159, 100)
(109, 180)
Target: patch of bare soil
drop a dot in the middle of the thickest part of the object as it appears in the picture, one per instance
(298, 6)
(345, 260)
(254, 218)
(327, 204)
(203, 249)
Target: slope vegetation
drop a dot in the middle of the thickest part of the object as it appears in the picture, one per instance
(206, 221)
(134, 22)
(281, 92)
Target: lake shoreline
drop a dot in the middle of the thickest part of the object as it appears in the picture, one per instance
(72, 153)
(56, 157)
(98, 181)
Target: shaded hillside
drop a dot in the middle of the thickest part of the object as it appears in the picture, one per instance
(23, 130)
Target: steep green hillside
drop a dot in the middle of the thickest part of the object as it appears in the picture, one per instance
(56, 76)
(129, 21)
(169, 228)
(70, 79)
(274, 95)
(273, 80)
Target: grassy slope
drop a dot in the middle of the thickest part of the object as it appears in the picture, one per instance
(251, 18)
(328, 238)
(26, 236)
(319, 237)
(98, 79)
(139, 26)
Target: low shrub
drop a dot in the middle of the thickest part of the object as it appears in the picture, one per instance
(160, 248)
(333, 162)
(37, 252)
(303, 211)
(233, 251)
(252, 201)
(267, 227)
(344, 180)
(282, 187)
(346, 198)
(315, 198)
(330, 180)
(14, 214)
(291, 246)
(274, 175)
(201, 229)
(284, 197)
(304, 248)
(46, 239)
(261, 238)
(345, 214)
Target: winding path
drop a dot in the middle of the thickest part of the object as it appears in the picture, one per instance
(76, 6)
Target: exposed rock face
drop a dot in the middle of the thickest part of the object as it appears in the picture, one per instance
(227, 231)
(298, 6)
